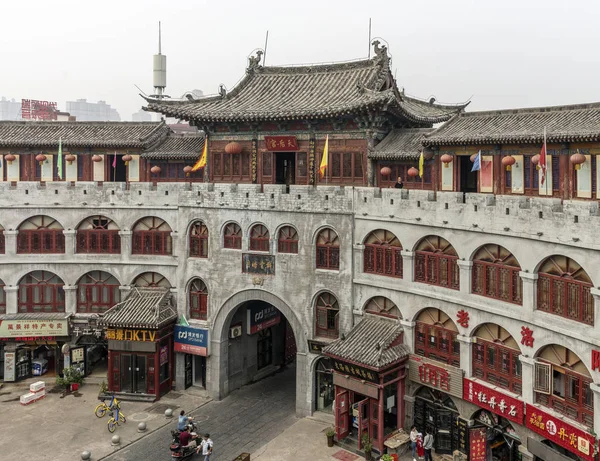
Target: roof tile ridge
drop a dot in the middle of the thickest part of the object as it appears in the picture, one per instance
(439, 129)
(538, 109)
(460, 105)
(318, 67)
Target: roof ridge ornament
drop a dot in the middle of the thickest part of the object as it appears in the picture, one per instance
(254, 61)
(381, 55)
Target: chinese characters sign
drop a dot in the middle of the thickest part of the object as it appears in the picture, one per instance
(560, 432)
(281, 143)
(191, 340)
(120, 334)
(38, 110)
(262, 316)
(355, 371)
(463, 435)
(258, 264)
(595, 360)
(478, 444)
(12, 329)
(494, 401)
(434, 374)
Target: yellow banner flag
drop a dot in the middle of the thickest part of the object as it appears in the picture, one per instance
(201, 163)
(421, 164)
(325, 158)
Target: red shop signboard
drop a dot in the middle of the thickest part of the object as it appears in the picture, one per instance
(494, 401)
(564, 434)
(478, 444)
(281, 143)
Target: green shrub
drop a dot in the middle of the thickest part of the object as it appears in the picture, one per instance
(70, 376)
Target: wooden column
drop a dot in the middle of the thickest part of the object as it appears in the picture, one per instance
(311, 160)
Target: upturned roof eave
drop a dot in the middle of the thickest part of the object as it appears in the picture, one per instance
(512, 139)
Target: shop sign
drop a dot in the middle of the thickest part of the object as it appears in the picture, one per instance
(355, 371)
(191, 340)
(97, 332)
(32, 338)
(595, 360)
(494, 401)
(120, 334)
(12, 329)
(463, 435)
(437, 375)
(262, 316)
(281, 143)
(258, 264)
(478, 444)
(558, 431)
(9, 366)
(315, 346)
(164, 355)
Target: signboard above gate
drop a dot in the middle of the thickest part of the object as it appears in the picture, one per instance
(281, 143)
(12, 329)
(438, 375)
(262, 316)
(191, 340)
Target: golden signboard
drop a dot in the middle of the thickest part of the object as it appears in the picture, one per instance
(121, 334)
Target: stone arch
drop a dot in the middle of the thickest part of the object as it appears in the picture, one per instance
(151, 277)
(40, 222)
(320, 229)
(89, 221)
(381, 305)
(502, 251)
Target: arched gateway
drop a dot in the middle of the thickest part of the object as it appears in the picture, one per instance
(218, 383)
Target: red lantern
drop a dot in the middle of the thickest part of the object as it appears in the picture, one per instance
(577, 159)
(70, 158)
(96, 158)
(233, 148)
(127, 158)
(10, 158)
(187, 170)
(386, 171)
(446, 159)
(508, 161)
(40, 158)
(473, 157)
(412, 172)
(155, 169)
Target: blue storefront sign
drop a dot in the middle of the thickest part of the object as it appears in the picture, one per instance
(262, 316)
(191, 340)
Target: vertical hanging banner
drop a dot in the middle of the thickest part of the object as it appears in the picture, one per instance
(486, 175)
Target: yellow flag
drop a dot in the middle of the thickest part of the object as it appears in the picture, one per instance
(325, 158)
(421, 164)
(201, 163)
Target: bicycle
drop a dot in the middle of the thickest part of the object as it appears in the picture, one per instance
(114, 422)
(102, 408)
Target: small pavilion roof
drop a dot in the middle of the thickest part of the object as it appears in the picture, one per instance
(177, 147)
(144, 307)
(400, 144)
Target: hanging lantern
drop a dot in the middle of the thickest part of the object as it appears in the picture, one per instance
(127, 158)
(536, 160)
(10, 158)
(96, 158)
(428, 153)
(473, 157)
(155, 169)
(233, 148)
(412, 172)
(40, 158)
(70, 158)
(577, 159)
(446, 159)
(386, 171)
(508, 161)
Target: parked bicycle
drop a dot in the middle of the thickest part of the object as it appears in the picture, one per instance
(117, 417)
(102, 408)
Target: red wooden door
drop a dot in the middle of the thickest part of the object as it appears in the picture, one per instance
(363, 421)
(341, 413)
(290, 344)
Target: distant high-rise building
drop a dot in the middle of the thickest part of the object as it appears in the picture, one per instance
(10, 110)
(143, 116)
(92, 112)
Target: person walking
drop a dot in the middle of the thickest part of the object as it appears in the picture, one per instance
(420, 449)
(428, 445)
(413, 442)
(206, 447)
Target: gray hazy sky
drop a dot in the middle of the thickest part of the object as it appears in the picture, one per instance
(499, 53)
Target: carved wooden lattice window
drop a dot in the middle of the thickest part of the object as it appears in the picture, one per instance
(259, 238)
(2, 298)
(199, 240)
(328, 250)
(382, 254)
(496, 274)
(40, 234)
(98, 234)
(41, 291)
(198, 300)
(436, 337)
(152, 236)
(564, 289)
(288, 240)
(232, 236)
(381, 305)
(267, 164)
(436, 263)
(496, 357)
(151, 279)
(327, 316)
(346, 166)
(97, 291)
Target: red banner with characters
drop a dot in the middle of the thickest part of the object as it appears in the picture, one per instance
(478, 444)
(564, 434)
(281, 143)
(494, 401)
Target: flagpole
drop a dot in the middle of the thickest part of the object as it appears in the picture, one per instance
(546, 163)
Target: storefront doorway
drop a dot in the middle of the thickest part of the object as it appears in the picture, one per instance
(133, 374)
(324, 385)
(501, 440)
(436, 412)
(468, 180)
(285, 168)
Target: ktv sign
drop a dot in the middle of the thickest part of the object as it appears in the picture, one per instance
(262, 316)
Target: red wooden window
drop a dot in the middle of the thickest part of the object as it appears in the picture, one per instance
(41, 291)
(231, 167)
(327, 316)
(288, 240)
(400, 170)
(40, 234)
(563, 289)
(436, 263)
(2, 298)
(199, 240)
(328, 250)
(97, 291)
(259, 238)
(382, 254)
(2, 241)
(152, 236)
(381, 305)
(344, 167)
(497, 364)
(172, 171)
(232, 237)
(437, 343)
(496, 274)
(151, 279)
(98, 234)
(198, 300)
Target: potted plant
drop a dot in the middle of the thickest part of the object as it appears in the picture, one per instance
(330, 433)
(71, 379)
(367, 446)
(386, 458)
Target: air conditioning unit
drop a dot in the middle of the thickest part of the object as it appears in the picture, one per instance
(235, 332)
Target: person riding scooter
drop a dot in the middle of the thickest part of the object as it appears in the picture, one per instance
(187, 439)
(183, 421)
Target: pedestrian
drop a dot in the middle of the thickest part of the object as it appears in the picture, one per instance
(413, 442)
(399, 184)
(420, 449)
(206, 447)
(183, 421)
(428, 445)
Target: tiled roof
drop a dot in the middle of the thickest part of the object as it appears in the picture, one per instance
(315, 92)
(36, 316)
(143, 308)
(142, 135)
(400, 144)
(577, 123)
(368, 343)
(177, 147)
